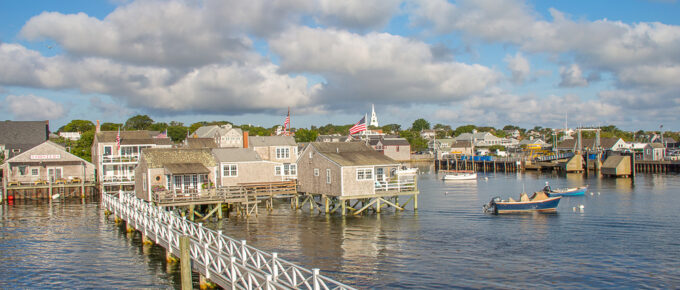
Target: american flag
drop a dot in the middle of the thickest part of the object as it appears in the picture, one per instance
(118, 140)
(286, 124)
(359, 126)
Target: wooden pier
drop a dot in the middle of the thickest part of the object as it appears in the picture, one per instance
(483, 166)
(47, 190)
(219, 259)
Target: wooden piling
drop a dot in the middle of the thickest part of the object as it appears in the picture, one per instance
(185, 262)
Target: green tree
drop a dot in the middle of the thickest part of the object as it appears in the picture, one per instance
(138, 122)
(417, 142)
(443, 131)
(197, 125)
(160, 127)
(420, 125)
(77, 126)
(304, 135)
(177, 133)
(464, 129)
(82, 147)
(111, 126)
(391, 128)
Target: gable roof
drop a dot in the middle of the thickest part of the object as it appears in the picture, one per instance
(132, 137)
(47, 148)
(352, 153)
(212, 130)
(196, 143)
(23, 135)
(159, 157)
(235, 154)
(395, 142)
(605, 143)
(264, 141)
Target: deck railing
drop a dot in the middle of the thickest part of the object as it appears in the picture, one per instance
(226, 261)
(400, 185)
(120, 159)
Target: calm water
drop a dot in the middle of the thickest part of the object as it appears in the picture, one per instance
(626, 236)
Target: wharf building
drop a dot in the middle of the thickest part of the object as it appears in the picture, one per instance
(115, 165)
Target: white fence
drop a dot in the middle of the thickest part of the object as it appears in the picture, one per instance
(225, 261)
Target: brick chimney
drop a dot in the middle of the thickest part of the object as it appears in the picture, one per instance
(97, 129)
(245, 139)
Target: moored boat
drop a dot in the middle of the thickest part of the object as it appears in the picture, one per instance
(572, 191)
(460, 175)
(539, 202)
(407, 171)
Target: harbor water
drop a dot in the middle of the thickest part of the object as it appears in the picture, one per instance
(619, 235)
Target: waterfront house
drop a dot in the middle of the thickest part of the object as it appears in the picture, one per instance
(461, 148)
(485, 139)
(342, 169)
(394, 147)
(279, 149)
(17, 137)
(653, 151)
(116, 164)
(197, 143)
(176, 170)
(514, 133)
(224, 135)
(244, 165)
(47, 163)
(606, 144)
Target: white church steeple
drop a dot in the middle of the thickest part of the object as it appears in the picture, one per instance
(374, 118)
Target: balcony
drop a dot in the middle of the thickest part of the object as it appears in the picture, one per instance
(131, 159)
(114, 180)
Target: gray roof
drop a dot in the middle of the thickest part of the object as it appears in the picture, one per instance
(159, 157)
(352, 154)
(23, 135)
(395, 142)
(264, 141)
(235, 154)
(47, 147)
(605, 143)
(470, 136)
(186, 168)
(132, 137)
(212, 130)
(196, 143)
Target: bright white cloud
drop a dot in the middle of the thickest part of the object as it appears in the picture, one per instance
(519, 67)
(377, 66)
(229, 88)
(572, 76)
(30, 107)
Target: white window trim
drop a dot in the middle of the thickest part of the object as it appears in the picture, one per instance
(316, 171)
(328, 176)
(364, 170)
(104, 150)
(229, 164)
(283, 150)
(38, 170)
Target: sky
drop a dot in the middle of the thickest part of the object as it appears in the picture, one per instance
(481, 62)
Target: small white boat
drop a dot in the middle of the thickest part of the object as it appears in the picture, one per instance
(460, 175)
(406, 171)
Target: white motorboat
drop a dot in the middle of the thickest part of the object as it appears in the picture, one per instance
(460, 175)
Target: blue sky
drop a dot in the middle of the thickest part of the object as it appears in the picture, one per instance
(488, 63)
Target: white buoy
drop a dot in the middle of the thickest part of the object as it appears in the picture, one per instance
(591, 193)
(581, 207)
(55, 196)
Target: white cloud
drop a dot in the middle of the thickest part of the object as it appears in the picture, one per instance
(519, 67)
(229, 88)
(572, 76)
(377, 66)
(360, 14)
(30, 107)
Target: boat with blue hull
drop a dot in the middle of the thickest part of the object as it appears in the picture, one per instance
(573, 191)
(539, 202)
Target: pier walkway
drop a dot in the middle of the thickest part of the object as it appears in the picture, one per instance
(223, 260)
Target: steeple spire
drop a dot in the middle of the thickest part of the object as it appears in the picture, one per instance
(374, 118)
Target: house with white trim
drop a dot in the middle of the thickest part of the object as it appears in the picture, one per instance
(342, 169)
(282, 150)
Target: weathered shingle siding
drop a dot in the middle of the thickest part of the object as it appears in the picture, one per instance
(317, 184)
(352, 186)
(249, 172)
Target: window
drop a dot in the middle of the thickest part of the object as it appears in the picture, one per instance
(328, 176)
(316, 171)
(365, 174)
(168, 182)
(282, 153)
(310, 155)
(34, 171)
(277, 170)
(107, 150)
(229, 170)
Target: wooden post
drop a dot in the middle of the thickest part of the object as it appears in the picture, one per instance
(219, 211)
(191, 212)
(377, 203)
(325, 198)
(185, 262)
(3, 197)
(344, 206)
(415, 201)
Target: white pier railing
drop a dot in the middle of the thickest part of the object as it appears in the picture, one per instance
(228, 262)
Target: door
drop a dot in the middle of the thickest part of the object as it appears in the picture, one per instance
(54, 174)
